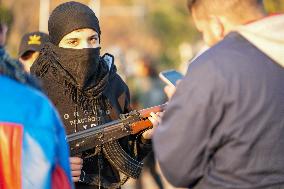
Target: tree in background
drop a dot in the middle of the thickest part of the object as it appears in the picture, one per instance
(274, 5)
(6, 16)
(170, 24)
(164, 27)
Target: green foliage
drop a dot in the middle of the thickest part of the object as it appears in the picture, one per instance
(169, 23)
(6, 16)
(273, 6)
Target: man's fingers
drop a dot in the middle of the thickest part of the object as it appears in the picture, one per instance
(76, 160)
(169, 90)
(160, 114)
(156, 116)
(76, 173)
(76, 167)
(178, 82)
(154, 122)
(75, 179)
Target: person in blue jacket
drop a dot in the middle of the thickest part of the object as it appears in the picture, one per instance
(33, 150)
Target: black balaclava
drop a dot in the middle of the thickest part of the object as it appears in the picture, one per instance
(79, 74)
(68, 17)
(82, 64)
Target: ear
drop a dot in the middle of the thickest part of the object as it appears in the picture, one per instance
(217, 26)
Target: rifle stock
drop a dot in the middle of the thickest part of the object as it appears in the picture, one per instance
(130, 123)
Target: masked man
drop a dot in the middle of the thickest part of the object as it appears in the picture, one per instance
(87, 91)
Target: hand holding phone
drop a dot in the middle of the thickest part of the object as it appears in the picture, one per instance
(170, 77)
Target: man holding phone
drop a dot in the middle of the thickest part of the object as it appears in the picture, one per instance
(224, 127)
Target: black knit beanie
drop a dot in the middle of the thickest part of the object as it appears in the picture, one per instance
(68, 17)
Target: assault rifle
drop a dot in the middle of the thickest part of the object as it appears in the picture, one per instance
(128, 124)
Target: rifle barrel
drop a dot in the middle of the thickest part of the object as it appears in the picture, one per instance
(91, 131)
(146, 112)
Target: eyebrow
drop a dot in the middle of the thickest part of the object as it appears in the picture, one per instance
(73, 38)
(95, 35)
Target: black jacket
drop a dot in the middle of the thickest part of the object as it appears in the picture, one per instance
(75, 119)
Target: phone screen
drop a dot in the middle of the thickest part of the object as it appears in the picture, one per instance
(171, 76)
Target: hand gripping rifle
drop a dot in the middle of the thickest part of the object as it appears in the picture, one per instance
(128, 124)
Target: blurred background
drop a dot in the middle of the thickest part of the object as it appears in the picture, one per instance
(145, 36)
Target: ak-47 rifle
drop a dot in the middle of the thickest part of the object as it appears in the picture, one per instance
(128, 124)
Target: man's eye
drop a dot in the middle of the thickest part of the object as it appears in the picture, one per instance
(94, 39)
(72, 42)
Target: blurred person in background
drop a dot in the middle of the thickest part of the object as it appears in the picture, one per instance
(33, 150)
(224, 126)
(145, 85)
(30, 46)
(87, 91)
(3, 33)
(150, 165)
(146, 88)
(12, 68)
(3, 36)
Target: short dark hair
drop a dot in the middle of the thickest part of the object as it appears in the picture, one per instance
(191, 3)
(237, 8)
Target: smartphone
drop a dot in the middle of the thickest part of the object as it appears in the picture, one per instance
(170, 77)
